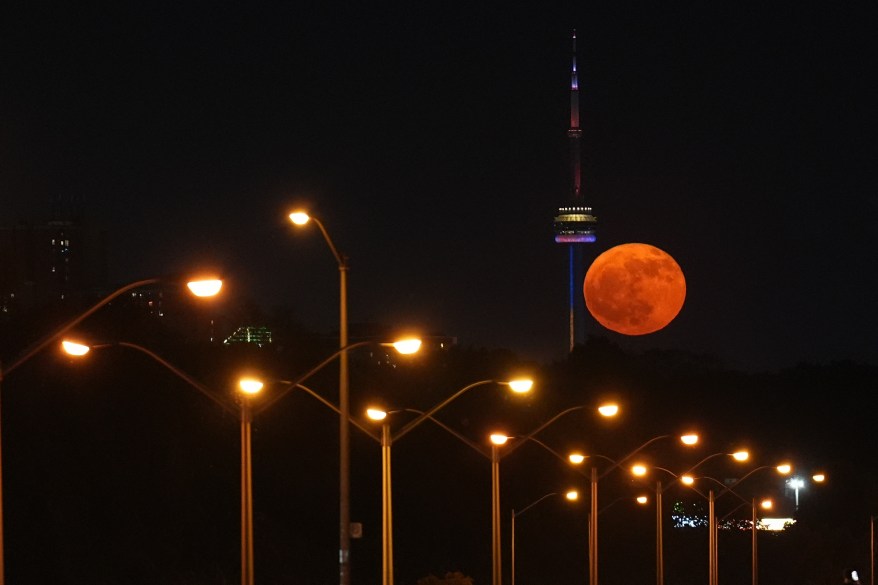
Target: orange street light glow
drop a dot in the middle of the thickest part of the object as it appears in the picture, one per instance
(250, 385)
(689, 439)
(638, 469)
(521, 386)
(741, 455)
(642, 499)
(572, 495)
(499, 439)
(376, 413)
(784, 468)
(205, 288)
(299, 217)
(73, 348)
(576, 458)
(609, 409)
(407, 346)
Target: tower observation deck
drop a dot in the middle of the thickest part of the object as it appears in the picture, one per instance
(575, 222)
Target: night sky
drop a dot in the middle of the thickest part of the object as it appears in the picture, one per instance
(431, 140)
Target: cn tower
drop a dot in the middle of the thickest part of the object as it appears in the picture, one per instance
(575, 223)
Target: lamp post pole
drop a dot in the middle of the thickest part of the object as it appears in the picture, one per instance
(344, 446)
(246, 494)
(386, 507)
(659, 531)
(711, 529)
(344, 428)
(495, 514)
(754, 554)
(593, 528)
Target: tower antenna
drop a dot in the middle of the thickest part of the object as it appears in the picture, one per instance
(575, 223)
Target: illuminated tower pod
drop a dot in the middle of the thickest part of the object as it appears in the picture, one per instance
(575, 222)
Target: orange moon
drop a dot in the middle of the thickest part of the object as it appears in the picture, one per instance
(634, 289)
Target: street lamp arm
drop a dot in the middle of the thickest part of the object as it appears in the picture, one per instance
(736, 508)
(735, 483)
(632, 454)
(429, 414)
(340, 258)
(532, 504)
(534, 432)
(337, 411)
(180, 374)
(291, 385)
(29, 353)
(437, 422)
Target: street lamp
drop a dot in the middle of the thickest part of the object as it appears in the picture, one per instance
(571, 495)
(688, 440)
(300, 218)
(659, 490)
(199, 287)
(765, 504)
(797, 483)
(248, 387)
(607, 410)
(497, 440)
(713, 557)
(518, 386)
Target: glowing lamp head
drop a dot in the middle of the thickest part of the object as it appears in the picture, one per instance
(689, 439)
(376, 413)
(250, 386)
(784, 468)
(609, 409)
(642, 500)
(687, 479)
(638, 469)
(499, 439)
(572, 495)
(520, 386)
(766, 504)
(299, 217)
(819, 477)
(741, 455)
(576, 458)
(407, 346)
(73, 348)
(205, 288)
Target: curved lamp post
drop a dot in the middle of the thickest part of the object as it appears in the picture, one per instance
(388, 438)
(659, 490)
(713, 576)
(571, 495)
(577, 458)
(765, 504)
(200, 288)
(607, 410)
(248, 388)
(301, 218)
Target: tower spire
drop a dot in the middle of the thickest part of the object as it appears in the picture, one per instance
(574, 133)
(574, 224)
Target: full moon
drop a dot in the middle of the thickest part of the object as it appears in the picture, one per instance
(634, 289)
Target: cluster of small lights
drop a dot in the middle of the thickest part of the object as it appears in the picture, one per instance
(682, 517)
(694, 516)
